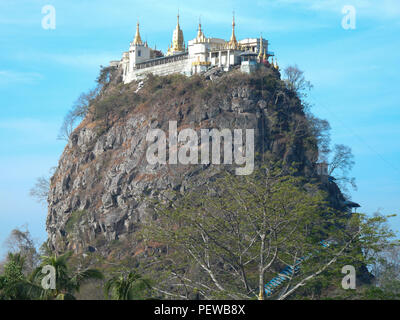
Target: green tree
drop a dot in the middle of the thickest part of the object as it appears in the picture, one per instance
(131, 286)
(230, 246)
(12, 276)
(67, 282)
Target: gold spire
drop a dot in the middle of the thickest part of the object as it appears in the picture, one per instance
(200, 35)
(265, 56)
(260, 53)
(233, 42)
(137, 40)
(276, 64)
(178, 43)
(199, 31)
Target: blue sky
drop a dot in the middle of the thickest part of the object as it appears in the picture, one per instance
(355, 74)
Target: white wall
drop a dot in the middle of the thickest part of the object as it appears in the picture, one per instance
(181, 66)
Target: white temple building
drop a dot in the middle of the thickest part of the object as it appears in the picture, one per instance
(201, 54)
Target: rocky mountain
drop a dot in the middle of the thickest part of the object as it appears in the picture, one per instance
(103, 183)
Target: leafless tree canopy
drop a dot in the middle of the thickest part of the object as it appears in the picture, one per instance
(40, 190)
(321, 131)
(387, 269)
(342, 159)
(77, 113)
(340, 166)
(295, 80)
(21, 241)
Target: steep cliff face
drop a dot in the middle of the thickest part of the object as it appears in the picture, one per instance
(100, 191)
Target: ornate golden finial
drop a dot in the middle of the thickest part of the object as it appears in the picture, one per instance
(265, 58)
(200, 35)
(276, 64)
(199, 31)
(260, 53)
(137, 40)
(233, 42)
(178, 43)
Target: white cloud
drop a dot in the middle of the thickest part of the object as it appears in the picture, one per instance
(86, 60)
(75, 60)
(12, 77)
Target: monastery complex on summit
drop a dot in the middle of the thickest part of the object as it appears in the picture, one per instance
(198, 56)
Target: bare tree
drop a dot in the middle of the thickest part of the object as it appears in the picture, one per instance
(40, 190)
(81, 106)
(67, 126)
(21, 241)
(341, 163)
(342, 159)
(387, 269)
(78, 112)
(320, 130)
(295, 81)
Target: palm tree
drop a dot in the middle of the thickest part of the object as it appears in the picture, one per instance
(67, 283)
(126, 287)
